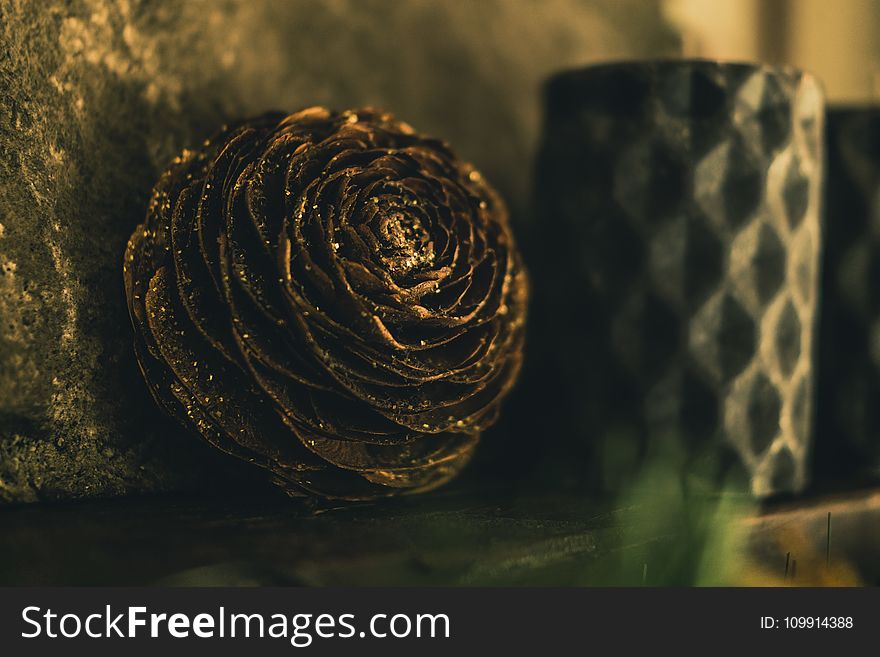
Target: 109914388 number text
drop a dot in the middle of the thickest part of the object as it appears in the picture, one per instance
(808, 623)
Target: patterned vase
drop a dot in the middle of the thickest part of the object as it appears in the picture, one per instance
(679, 207)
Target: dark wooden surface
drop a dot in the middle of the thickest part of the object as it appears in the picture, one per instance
(461, 536)
(800, 531)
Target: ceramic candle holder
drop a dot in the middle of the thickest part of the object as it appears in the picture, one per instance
(679, 207)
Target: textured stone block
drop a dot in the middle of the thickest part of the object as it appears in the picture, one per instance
(680, 202)
(848, 429)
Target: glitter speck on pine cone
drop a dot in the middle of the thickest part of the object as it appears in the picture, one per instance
(331, 296)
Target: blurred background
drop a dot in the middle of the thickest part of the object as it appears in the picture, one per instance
(836, 41)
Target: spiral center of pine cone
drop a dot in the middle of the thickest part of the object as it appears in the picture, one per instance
(406, 245)
(332, 297)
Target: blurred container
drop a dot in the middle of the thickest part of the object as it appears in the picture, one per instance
(848, 429)
(680, 234)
